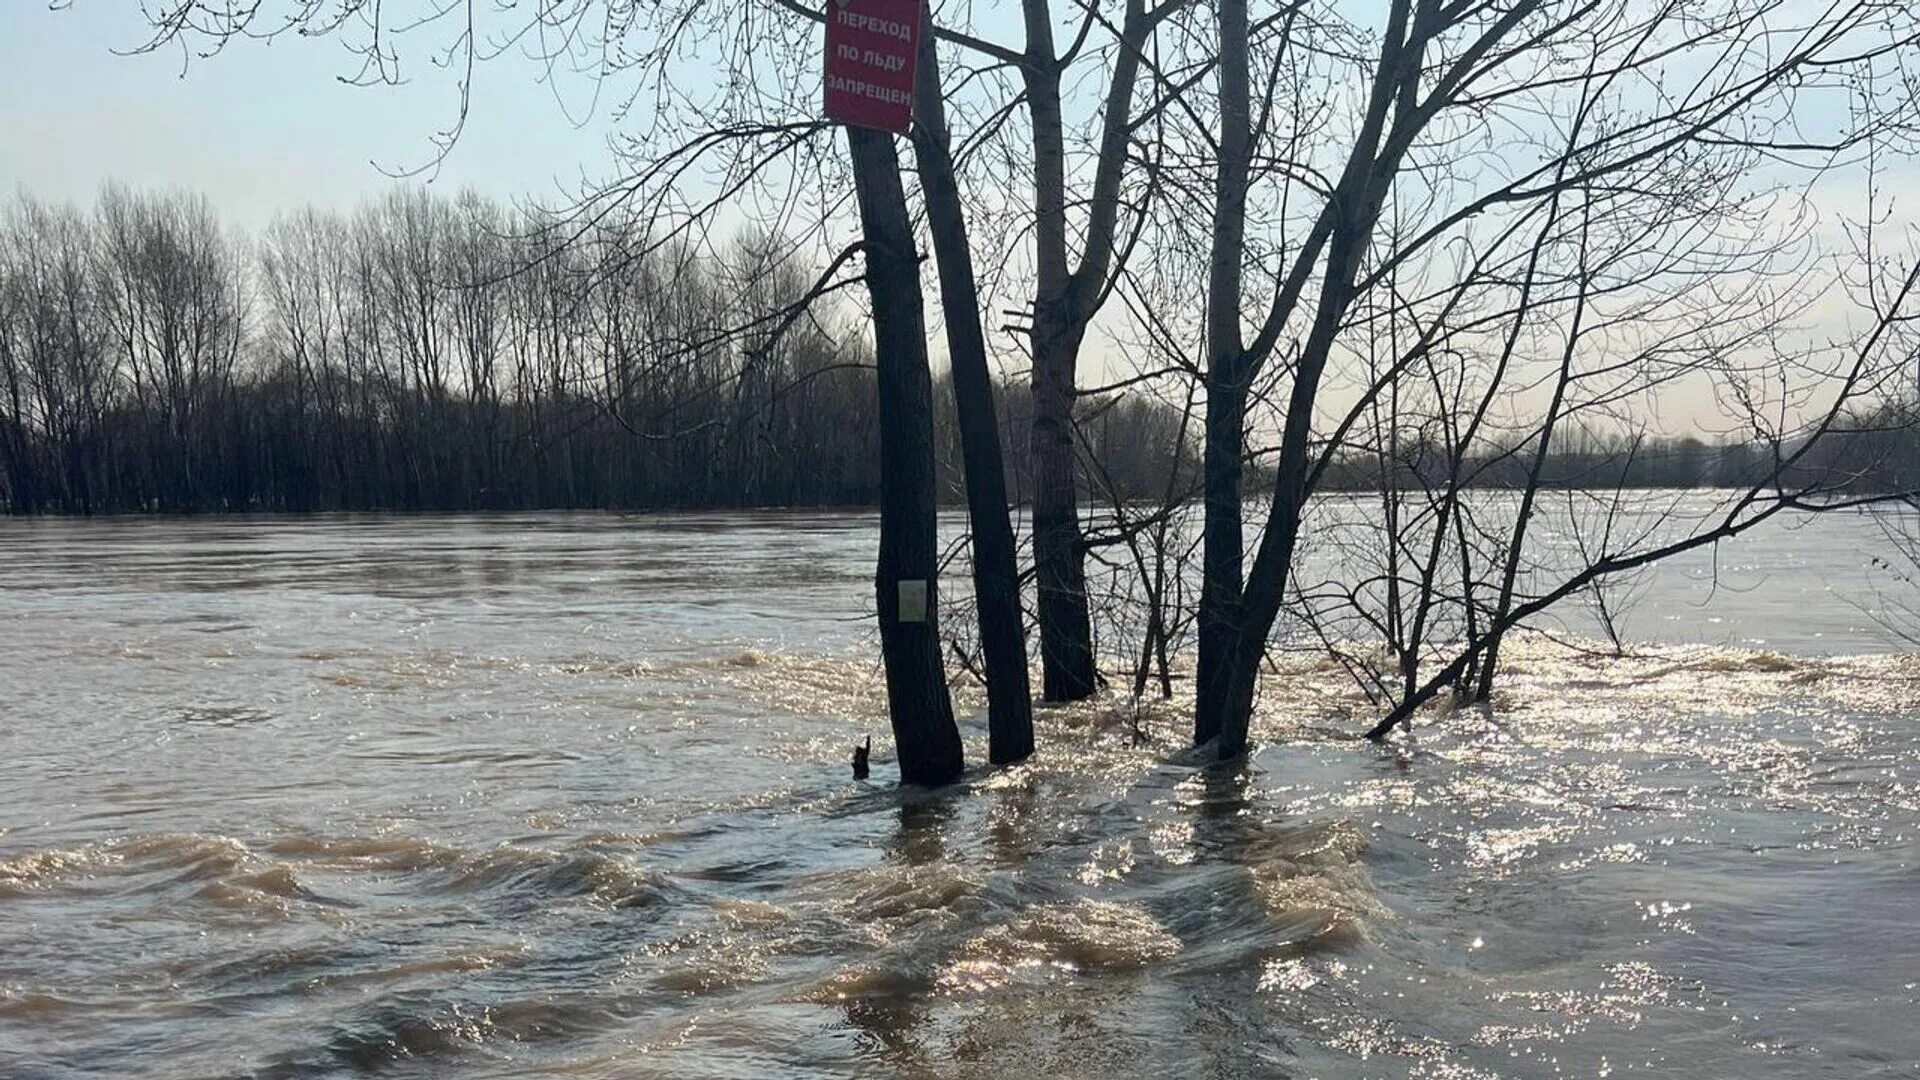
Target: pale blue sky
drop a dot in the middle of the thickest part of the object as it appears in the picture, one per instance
(261, 128)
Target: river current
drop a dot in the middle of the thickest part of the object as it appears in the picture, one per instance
(567, 796)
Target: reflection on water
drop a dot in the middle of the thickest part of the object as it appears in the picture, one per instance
(567, 797)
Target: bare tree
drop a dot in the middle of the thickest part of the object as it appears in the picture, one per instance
(1444, 90)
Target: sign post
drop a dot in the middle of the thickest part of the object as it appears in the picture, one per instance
(872, 49)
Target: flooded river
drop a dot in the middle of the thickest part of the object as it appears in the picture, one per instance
(566, 796)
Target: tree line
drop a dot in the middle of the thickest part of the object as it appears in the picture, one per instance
(1877, 451)
(438, 353)
(423, 352)
(444, 353)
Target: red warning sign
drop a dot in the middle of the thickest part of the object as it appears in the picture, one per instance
(871, 49)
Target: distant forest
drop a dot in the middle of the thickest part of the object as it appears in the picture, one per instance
(428, 353)
(1873, 450)
(436, 353)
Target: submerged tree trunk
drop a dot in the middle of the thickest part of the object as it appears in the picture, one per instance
(1222, 553)
(1221, 588)
(1067, 295)
(1341, 231)
(924, 734)
(1066, 630)
(996, 572)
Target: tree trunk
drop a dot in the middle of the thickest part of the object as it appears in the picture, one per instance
(1066, 630)
(926, 740)
(1222, 554)
(1221, 589)
(1066, 298)
(996, 571)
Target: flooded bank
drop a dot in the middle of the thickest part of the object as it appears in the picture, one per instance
(568, 797)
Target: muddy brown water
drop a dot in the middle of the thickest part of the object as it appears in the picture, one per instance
(567, 796)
